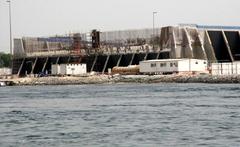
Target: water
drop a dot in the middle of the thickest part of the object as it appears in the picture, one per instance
(131, 115)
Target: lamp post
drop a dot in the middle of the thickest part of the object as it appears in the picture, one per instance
(10, 26)
(153, 31)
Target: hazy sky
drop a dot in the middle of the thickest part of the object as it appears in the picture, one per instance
(50, 17)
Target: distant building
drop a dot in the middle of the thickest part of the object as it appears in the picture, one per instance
(69, 69)
(173, 66)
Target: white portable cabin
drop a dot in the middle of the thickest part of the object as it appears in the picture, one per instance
(73, 69)
(55, 69)
(69, 69)
(173, 66)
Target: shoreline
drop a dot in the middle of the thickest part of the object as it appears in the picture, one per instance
(106, 79)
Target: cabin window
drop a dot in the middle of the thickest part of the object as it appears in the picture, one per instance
(171, 64)
(153, 64)
(176, 64)
(196, 62)
(204, 62)
(163, 64)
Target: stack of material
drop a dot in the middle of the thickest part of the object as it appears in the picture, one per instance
(129, 70)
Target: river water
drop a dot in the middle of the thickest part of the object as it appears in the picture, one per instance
(126, 115)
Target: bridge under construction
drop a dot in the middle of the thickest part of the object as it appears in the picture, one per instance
(103, 50)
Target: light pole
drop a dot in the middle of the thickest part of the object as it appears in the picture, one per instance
(10, 26)
(153, 31)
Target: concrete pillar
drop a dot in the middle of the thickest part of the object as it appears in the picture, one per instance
(69, 58)
(198, 51)
(174, 52)
(94, 62)
(105, 65)
(34, 64)
(20, 69)
(208, 47)
(57, 60)
(145, 58)
(186, 47)
(45, 64)
(228, 46)
(133, 55)
(80, 59)
(119, 60)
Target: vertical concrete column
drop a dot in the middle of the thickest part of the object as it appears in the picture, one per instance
(133, 55)
(208, 47)
(173, 52)
(69, 58)
(20, 68)
(187, 51)
(228, 46)
(158, 54)
(57, 60)
(34, 64)
(119, 60)
(105, 65)
(94, 62)
(45, 64)
(202, 45)
(80, 59)
(198, 51)
(145, 58)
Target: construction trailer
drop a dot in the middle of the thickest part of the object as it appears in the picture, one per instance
(69, 69)
(173, 66)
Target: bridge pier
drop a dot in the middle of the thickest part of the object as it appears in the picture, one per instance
(34, 64)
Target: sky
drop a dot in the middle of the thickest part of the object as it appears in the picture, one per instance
(50, 17)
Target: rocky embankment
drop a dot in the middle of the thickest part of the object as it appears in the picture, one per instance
(105, 79)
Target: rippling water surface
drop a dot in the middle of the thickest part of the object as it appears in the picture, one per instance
(145, 115)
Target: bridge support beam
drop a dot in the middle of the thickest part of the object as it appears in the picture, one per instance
(105, 65)
(34, 64)
(45, 64)
(133, 55)
(228, 46)
(145, 58)
(119, 60)
(94, 62)
(57, 60)
(20, 69)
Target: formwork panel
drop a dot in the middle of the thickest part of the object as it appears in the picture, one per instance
(234, 43)
(137, 58)
(152, 56)
(220, 48)
(126, 59)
